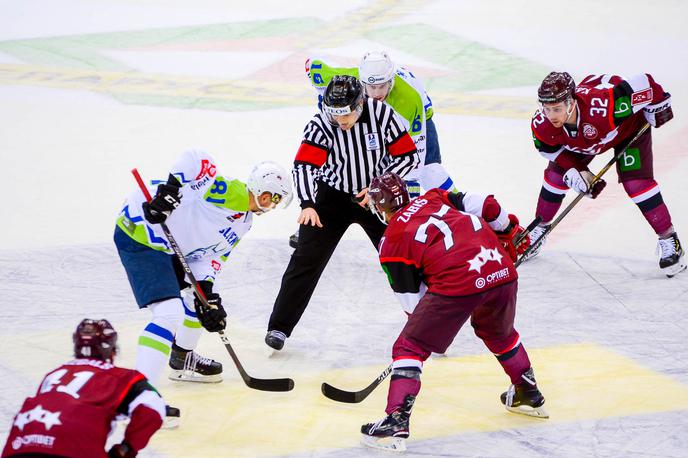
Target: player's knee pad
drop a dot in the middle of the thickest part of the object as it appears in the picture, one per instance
(404, 347)
(168, 314)
(638, 187)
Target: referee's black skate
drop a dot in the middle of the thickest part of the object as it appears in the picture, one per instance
(275, 339)
(189, 366)
(525, 398)
(391, 432)
(294, 239)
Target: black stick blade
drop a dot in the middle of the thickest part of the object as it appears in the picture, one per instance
(273, 384)
(351, 397)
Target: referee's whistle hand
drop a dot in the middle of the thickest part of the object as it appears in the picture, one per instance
(362, 198)
(309, 216)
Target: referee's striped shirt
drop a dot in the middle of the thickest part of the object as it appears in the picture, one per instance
(349, 160)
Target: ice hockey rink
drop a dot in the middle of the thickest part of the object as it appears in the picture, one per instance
(90, 89)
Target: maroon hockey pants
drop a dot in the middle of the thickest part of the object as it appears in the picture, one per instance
(435, 323)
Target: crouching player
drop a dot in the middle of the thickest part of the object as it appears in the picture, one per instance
(445, 257)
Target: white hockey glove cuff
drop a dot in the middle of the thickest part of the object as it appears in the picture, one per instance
(659, 113)
(578, 181)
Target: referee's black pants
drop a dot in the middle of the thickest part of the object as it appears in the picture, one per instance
(337, 212)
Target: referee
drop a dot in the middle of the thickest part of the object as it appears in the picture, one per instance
(352, 140)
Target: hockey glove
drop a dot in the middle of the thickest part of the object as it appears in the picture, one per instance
(660, 113)
(165, 201)
(211, 318)
(509, 235)
(121, 450)
(580, 181)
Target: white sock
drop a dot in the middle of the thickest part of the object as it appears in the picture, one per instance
(156, 339)
(190, 330)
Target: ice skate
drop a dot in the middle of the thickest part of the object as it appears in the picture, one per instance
(533, 236)
(671, 260)
(391, 432)
(172, 418)
(189, 366)
(275, 339)
(525, 398)
(294, 240)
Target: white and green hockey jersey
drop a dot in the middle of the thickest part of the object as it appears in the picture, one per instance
(407, 97)
(211, 219)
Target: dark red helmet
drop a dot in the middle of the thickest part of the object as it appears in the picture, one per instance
(95, 339)
(388, 191)
(556, 87)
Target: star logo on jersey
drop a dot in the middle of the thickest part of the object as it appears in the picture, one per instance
(38, 414)
(486, 255)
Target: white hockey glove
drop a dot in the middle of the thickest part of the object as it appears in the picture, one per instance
(580, 181)
(659, 113)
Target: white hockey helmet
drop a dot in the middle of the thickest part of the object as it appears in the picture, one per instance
(270, 177)
(376, 68)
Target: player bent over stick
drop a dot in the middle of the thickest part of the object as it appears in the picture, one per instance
(446, 265)
(209, 214)
(576, 123)
(74, 409)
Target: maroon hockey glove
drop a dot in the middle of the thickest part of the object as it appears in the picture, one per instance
(660, 113)
(509, 235)
(579, 180)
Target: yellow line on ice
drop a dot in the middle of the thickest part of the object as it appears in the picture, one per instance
(459, 395)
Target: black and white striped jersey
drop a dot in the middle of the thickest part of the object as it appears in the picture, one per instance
(349, 160)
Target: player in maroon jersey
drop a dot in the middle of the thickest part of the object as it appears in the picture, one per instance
(73, 411)
(446, 264)
(576, 123)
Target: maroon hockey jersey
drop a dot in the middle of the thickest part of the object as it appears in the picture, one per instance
(71, 413)
(432, 245)
(609, 112)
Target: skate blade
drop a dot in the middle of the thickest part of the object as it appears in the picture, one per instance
(388, 444)
(171, 423)
(677, 268)
(538, 412)
(185, 376)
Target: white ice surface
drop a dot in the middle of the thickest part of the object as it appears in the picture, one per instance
(65, 156)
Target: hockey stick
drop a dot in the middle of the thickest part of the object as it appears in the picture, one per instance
(353, 397)
(595, 179)
(274, 384)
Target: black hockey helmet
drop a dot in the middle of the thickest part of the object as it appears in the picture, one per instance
(556, 87)
(342, 96)
(387, 193)
(95, 339)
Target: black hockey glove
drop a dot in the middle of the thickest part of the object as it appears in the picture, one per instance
(122, 450)
(165, 201)
(212, 319)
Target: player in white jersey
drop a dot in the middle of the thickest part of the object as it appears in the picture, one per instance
(208, 214)
(400, 89)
